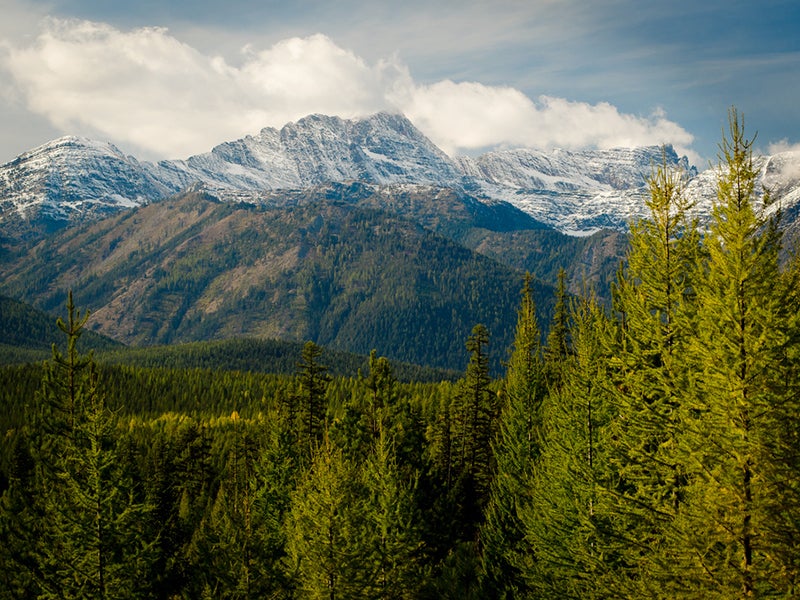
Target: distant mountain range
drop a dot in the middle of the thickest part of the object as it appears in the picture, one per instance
(72, 179)
(358, 234)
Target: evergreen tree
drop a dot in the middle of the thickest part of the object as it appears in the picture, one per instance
(725, 544)
(233, 560)
(654, 296)
(475, 418)
(276, 475)
(325, 528)
(91, 543)
(516, 450)
(312, 379)
(568, 510)
(380, 384)
(558, 348)
(392, 541)
(19, 524)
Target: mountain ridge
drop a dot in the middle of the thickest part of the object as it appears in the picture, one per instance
(72, 178)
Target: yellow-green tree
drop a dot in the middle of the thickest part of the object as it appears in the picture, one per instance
(654, 299)
(742, 403)
(516, 450)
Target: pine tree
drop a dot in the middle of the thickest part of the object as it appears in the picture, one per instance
(724, 540)
(277, 472)
(92, 543)
(380, 383)
(475, 417)
(516, 451)
(558, 348)
(392, 542)
(313, 380)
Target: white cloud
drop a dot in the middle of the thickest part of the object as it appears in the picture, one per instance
(463, 116)
(146, 89)
(783, 145)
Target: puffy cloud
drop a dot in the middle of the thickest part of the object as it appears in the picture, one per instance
(146, 89)
(782, 146)
(464, 116)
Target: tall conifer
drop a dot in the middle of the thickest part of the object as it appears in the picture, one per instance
(391, 540)
(568, 511)
(516, 449)
(653, 296)
(324, 529)
(724, 544)
(92, 542)
(313, 380)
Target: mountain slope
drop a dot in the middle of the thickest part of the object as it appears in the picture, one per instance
(347, 276)
(575, 192)
(29, 333)
(384, 148)
(567, 190)
(74, 179)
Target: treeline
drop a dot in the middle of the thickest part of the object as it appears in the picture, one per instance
(647, 451)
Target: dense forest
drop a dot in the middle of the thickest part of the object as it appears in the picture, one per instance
(649, 449)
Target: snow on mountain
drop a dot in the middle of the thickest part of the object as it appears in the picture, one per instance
(74, 175)
(779, 174)
(576, 192)
(384, 149)
(61, 179)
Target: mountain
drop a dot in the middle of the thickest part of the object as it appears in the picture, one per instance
(574, 192)
(779, 174)
(74, 179)
(70, 180)
(331, 268)
(384, 148)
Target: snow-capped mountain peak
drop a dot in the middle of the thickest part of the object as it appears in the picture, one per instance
(573, 191)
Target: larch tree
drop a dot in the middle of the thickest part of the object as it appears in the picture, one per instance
(325, 555)
(654, 299)
(725, 544)
(568, 512)
(392, 542)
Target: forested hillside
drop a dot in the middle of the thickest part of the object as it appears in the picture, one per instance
(644, 450)
(330, 269)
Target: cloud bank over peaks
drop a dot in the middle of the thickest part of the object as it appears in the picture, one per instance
(781, 146)
(146, 90)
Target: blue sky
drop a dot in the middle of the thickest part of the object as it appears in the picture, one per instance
(169, 79)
